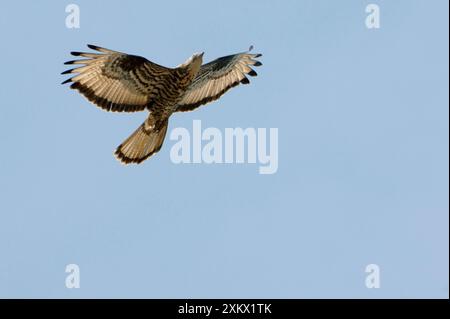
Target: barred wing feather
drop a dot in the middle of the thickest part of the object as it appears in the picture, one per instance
(217, 77)
(116, 81)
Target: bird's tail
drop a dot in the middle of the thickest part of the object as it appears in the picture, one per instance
(144, 142)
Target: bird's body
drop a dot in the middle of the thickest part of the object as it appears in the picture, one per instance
(119, 82)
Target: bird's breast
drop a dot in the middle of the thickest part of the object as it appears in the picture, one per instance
(170, 90)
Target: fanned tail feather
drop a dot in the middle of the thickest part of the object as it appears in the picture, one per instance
(143, 143)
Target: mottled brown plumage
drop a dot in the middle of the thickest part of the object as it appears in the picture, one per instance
(120, 82)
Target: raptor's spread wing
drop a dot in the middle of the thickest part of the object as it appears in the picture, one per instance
(116, 81)
(217, 77)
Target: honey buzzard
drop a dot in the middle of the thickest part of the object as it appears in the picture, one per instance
(120, 82)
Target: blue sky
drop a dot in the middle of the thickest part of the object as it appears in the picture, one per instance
(363, 127)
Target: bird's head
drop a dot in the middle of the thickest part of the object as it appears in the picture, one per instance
(194, 62)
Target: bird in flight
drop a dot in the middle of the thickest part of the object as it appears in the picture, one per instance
(120, 82)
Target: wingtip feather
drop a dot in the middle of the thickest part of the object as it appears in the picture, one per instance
(96, 48)
(67, 71)
(252, 73)
(245, 81)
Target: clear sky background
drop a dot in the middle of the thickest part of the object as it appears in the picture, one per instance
(363, 155)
